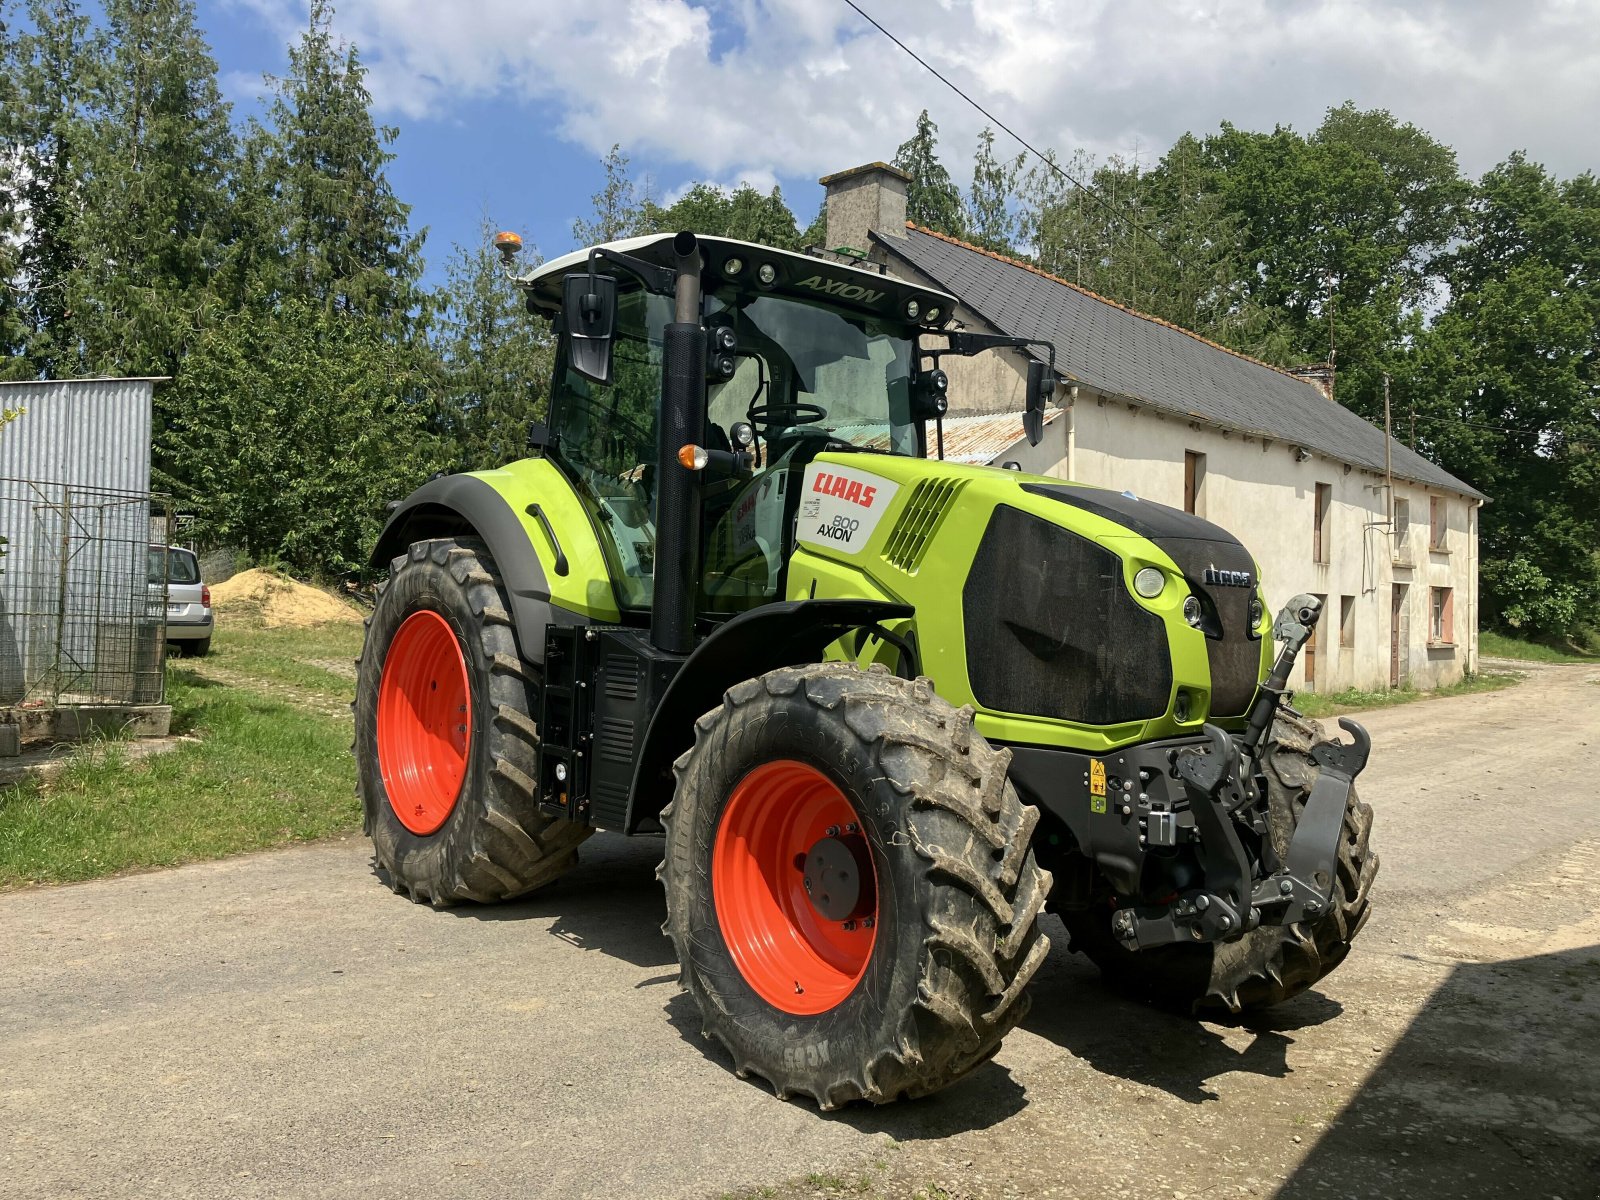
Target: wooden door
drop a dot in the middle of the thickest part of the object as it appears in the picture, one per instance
(1399, 637)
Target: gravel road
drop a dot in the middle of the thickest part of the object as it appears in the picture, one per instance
(281, 1025)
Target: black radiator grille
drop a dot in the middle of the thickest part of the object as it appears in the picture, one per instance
(1052, 631)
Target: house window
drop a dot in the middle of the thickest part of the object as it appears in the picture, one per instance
(1402, 530)
(1194, 480)
(1442, 629)
(1347, 620)
(1319, 523)
(1436, 522)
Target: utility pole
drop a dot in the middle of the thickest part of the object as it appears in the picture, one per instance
(1388, 454)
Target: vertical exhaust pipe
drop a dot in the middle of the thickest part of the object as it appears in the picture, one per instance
(683, 418)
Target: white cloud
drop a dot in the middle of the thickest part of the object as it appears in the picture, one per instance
(805, 87)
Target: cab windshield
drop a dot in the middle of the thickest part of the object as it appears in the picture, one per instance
(807, 376)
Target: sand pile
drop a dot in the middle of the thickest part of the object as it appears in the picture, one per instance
(278, 602)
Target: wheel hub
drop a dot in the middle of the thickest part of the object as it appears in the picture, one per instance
(424, 728)
(795, 888)
(838, 878)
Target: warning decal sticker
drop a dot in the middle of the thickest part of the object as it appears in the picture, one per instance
(841, 506)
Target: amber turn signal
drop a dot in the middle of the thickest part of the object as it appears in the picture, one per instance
(693, 457)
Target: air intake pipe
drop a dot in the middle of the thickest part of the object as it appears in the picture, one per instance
(683, 418)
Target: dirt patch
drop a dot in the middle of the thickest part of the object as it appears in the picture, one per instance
(278, 602)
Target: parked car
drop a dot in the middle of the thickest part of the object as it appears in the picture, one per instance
(189, 620)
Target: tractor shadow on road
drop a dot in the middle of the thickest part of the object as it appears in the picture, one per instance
(1073, 1007)
(1493, 1090)
(611, 903)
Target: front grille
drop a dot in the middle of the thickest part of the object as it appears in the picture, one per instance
(925, 511)
(1052, 631)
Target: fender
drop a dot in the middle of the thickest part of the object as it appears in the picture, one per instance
(783, 634)
(462, 504)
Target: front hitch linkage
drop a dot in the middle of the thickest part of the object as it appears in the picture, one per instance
(1217, 787)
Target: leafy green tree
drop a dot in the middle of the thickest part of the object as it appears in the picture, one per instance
(618, 205)
(932, 199)
(13, 328)
(496, 359)
(158, 155)
(1506, 387)
(298, 424)
(989, 219)
(743, 213)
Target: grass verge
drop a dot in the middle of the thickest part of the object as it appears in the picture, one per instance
(1498, 645)
(263, 773)
(317, 659)
(1355, 700)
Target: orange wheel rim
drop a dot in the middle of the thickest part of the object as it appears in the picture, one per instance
(784, 825)
(424, 722)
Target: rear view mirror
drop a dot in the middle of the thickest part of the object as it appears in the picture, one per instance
(1041, 387)
(589, 312)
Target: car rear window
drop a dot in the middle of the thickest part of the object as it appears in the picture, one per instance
(180, 566)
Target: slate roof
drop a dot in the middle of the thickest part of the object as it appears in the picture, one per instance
(1121, 352)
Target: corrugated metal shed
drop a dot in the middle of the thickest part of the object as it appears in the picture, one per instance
(84, 432)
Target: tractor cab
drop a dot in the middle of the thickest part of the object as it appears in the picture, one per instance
(802, 356)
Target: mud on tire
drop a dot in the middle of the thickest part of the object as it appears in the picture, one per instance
(959, 893)
(495, 843)
(1271, 963)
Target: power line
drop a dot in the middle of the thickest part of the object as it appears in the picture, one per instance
(1020, 140)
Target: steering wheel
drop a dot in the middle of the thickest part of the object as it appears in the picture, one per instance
(786, 413)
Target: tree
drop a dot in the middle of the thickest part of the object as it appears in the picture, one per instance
(496, 359)
(342, 236)
(45, 139)
(618, 205)
(298, 424)
(742, 213)
(932, 200)
(13, 328)
(1506, 385)
(989, 220)
(158, 156)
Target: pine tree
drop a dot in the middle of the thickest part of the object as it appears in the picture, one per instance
(989, 220)
(13, 333)
(932, 200)
(343, 236)
(618, 205)
(158, 156)
(46, 139)
(496, 359)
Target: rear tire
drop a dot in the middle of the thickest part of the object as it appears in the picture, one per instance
(198, 648)
(955, 935)
(1271, 963)
(491, 841)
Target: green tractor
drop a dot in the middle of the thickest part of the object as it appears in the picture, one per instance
(884, 710)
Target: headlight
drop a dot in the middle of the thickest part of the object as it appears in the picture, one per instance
(912, 309)
(733, 266)
(1191, 610)
(1257, 611)
(1149, 582)
(767, 273)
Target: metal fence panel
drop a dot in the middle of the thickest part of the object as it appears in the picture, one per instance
(81, 621)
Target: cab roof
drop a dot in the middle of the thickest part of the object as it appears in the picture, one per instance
(731, 260)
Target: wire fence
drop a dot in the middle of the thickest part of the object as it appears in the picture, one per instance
(82, 600)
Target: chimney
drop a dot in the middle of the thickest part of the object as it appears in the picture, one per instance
(1318, 375)
(863, 200)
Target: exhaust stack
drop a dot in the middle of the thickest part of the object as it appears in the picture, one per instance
(683, 415)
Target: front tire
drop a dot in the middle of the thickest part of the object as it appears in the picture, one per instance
(1271, 963)
(446, 737)
(909, 972)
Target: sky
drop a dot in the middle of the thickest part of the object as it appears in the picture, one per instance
(506, 107)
